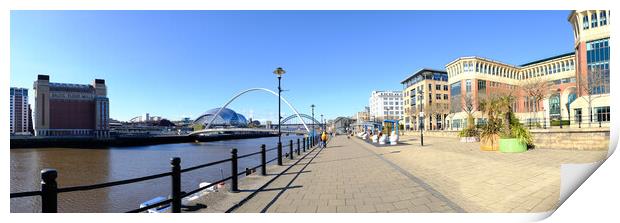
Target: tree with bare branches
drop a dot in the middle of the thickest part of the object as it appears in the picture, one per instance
(593, 86)
(469, 107)
(536, 89)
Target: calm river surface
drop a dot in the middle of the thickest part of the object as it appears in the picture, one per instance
(91, 166)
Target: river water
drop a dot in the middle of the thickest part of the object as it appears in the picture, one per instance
(91, 166)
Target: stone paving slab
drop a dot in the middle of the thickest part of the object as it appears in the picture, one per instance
(352, 176)
(344, 178)
(486, 181)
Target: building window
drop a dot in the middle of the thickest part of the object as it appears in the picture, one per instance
(438, 96)
(594, 21)
(602, 114)
(430, 87)
(603, 18)
(554, 106)
(598, 66)
(455, 92)
(468, 86)
(438, 87)
(482, 85)
(445, 87)
(578, 115)
(585, 23)
(445, 96)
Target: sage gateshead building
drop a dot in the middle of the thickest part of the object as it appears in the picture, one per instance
(63, 109)
(577, 83)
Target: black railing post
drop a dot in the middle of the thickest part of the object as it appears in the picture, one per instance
(304, 142)
(599, 123)
(298, 147)
(234, 187)
(176, 184)
(579, 123)
(560, 122)
(280, 153)
(290, 148)
(49, 191)
(263, 160)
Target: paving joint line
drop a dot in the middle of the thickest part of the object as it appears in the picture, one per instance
(250, 196)
(419, 181)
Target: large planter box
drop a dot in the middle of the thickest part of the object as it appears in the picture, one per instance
(489, 143)
(511, 146)
(469, 139)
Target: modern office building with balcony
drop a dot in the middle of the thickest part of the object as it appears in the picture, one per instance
(575, 81)
(426, 91)
(591, 34)
(19, 111)
(472, 79)
(63, 109)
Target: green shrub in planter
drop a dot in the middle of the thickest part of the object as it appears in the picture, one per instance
(557, 122)
(512, 145)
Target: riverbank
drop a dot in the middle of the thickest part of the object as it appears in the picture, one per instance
(123, 141)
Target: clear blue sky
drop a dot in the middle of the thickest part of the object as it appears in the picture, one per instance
(182, 63)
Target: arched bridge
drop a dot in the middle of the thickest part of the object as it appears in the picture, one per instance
(208, 124)
(223, 130)
(291, 118)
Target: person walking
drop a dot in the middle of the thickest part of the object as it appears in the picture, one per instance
(324, 140)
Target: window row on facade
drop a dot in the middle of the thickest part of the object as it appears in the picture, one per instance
(594, 19)
(506, 71)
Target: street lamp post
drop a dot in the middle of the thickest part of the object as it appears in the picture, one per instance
(322, 123)
(279, 71)
(312, 106)
(421, 119)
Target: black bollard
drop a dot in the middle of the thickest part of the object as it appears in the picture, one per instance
(49, 191)
(176, 184)
(263, 160)
(290, 147)
(234, 186)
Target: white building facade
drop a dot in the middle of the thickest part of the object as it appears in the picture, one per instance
(385, 105)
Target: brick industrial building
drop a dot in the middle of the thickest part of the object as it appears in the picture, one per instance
(63, 109)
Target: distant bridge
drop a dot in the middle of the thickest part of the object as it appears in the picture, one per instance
(206, 131)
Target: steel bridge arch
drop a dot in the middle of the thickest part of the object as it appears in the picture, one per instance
(302, 115)
(256, 89)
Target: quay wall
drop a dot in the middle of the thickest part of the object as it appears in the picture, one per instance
(120, 141)
(565, 139)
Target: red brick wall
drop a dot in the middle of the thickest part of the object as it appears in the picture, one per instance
(582, 65)
(72, 114)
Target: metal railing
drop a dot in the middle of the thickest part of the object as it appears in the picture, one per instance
(597, 121)
(570, 123)
(49, 187)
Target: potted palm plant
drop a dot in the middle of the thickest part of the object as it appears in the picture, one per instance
(514, 137)
(489, 133)
(470, 134)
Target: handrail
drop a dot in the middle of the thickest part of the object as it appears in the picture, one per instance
(169, 200)
(207, 186)
(25, 194)
(205, 165)
(112, 184)
(49, 189)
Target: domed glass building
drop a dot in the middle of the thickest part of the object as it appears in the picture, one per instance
(226, 118)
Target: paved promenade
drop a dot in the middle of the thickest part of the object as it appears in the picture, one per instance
(445, 175)
(348, 177)
(483, 181)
